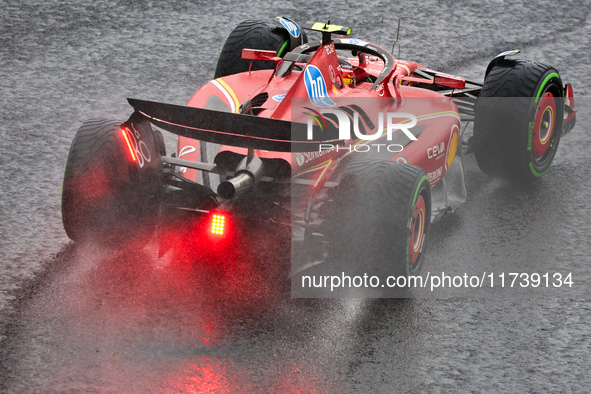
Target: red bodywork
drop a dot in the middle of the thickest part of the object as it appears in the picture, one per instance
(433, 151)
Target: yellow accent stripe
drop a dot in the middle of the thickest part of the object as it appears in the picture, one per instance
(229, 89)
(323, 172)
(407, 69)
(312, 169)
(456, 114)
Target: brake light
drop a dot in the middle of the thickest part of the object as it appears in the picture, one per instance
(217, 224)
(133, 158)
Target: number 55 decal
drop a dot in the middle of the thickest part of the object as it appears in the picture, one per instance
(138, 148)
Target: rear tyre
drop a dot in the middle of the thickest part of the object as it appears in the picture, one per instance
(518, 122)
(381, 219)
(107, 197)
(251, 34)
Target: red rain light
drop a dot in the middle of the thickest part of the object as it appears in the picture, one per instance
(133, 158)
(217, 224)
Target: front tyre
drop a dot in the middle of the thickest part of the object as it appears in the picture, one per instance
(518, 122)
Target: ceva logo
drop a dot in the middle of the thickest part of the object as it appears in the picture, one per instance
(291, 27)
(316, 87)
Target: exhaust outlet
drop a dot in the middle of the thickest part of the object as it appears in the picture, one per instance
(247, 174)
(238, 183)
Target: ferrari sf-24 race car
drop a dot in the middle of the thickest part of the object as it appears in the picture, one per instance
(350, 152)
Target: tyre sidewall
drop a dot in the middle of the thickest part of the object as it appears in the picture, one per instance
(423, 189)
(531, 166)
(505, 115)
(371, 233)
(107, 197)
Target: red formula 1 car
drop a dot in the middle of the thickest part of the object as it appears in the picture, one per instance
(337, 145)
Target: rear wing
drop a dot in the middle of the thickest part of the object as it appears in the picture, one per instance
(246, 131)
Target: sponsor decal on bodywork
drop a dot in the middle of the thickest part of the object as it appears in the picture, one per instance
(185, 151)
(305, 157)
(137, 146)
(354, 41)
(292, 27)
(436, 152)
(278, 97)
(332, 74)
(380, 89)
(435, 175)
(316, 87)
(452, 146)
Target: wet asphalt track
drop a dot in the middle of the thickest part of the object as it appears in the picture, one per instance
(83, 319)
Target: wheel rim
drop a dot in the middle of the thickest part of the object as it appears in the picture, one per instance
(543, 129)
(417, 230)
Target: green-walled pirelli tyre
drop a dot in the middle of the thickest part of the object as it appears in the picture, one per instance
(382, 216)
(518, 121)
(111, 184)
(280, 35)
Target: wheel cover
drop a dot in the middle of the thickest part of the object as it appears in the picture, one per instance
(543, 129)
(417, 230)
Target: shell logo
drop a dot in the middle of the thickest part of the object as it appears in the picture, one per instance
(452, 146)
